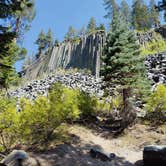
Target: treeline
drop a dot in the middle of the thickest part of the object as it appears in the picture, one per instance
(45, 40)
(140, 15)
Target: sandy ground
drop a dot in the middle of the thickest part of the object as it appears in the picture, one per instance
(128, 147)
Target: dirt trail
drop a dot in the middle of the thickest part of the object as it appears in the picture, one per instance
(116, 146)
(128, 147)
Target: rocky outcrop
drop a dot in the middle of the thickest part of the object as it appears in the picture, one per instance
(84, 54)
(156, 66)
(84, 82)
(154, 156)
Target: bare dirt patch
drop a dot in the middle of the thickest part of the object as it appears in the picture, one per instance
(127, 147)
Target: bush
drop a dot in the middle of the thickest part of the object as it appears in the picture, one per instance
(154, 47)
(87, 104)
(8, 123)
(65, 102)
(40, 119)
(156, 103)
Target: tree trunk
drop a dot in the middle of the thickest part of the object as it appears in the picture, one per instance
(126, 92)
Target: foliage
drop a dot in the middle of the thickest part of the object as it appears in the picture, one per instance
(8, 123)
(64, 101)
(44, 42)
(13, 17)
(122, 63)
(126, 12)
(154, 14)
(101, 27)
(153, 47)
(156, 105)
(91, 25)
(40, 119)
(157, 100)
(71, 34)
(111, 7)
(24, 16)
(87, 104)
(141, 16)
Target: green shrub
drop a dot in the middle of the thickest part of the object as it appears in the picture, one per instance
(87, 104)
(65, 102)
(156, 103)
(8, 123)
(44, 119)
(154, 47)
(40, 119)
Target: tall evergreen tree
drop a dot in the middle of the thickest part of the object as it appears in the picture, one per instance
(126, 12)
(91, 25)
(24, 16)
(122, 64)
(101, 27)
(41, 42)
(141, 16)
(71, 34)
(82, 31)
(49, 38)
(111, 7)
(9, 50)
(154, 14)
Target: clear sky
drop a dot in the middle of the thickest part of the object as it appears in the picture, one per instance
(59, 15)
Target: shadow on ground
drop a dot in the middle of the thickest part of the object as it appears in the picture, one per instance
(76, 155)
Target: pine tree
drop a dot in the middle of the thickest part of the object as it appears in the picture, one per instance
(111, 7)
(126, 12)
(154, 14)
(101, 27)
(82, 32)
(122, 64)
(9, 50)
(49, 38)
(91, 25)
(141, 16)
(71, 34)
(42, 43)
(25, 15)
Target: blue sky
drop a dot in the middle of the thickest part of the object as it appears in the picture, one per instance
(59, 15)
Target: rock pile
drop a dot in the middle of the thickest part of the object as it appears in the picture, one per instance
(84, 82)
(156, 66)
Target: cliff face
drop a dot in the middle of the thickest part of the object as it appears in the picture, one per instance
(83, 55)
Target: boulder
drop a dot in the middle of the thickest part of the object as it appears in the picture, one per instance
(15, 158)
(154, 155)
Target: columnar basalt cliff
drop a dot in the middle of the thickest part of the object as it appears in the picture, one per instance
(84, 54)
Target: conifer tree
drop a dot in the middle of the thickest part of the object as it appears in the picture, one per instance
(101, 27)
(111, 7)
(9, 50)
(154, 14)
(126, 12)
(140, 15)
(49, 38)
(25, 15)
(91, 25)
(82, 31)
(122, 64)
(71, 34)
(41, 42)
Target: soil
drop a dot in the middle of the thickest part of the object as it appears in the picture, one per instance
(127, 147)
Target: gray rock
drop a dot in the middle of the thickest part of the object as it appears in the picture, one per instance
(15, 158)
(154, 155)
